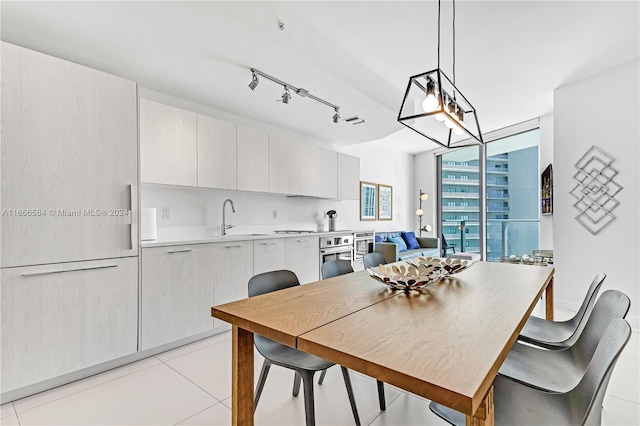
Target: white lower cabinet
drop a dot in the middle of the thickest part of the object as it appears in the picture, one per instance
(177, 293)
(268, 255)
(233, 268)
(302, 256)
(60, 318)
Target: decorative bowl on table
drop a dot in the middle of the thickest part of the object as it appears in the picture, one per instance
(445, 267)
(418, 274)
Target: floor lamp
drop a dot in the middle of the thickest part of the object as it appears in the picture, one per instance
(427, 228)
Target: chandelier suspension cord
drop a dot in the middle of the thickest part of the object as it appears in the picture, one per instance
(454, 42)
(438, 34)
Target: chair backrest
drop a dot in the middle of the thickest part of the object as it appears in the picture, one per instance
(611, 305)
(371, 260)
(586, 398)
(578, 321)
(272, 281)
(333, 268)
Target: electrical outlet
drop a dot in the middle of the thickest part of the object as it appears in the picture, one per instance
(166, 213)
(275, 213)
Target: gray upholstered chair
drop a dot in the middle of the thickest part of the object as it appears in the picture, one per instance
(331, 269)
(561, 334)
(371, 260)
(305, 365)
(516, 404)
(561, 370)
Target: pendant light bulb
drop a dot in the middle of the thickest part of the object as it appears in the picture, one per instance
(430, 103)
(423, 196)
(419, 212)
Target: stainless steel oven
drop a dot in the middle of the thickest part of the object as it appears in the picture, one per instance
(336, 247)
(362, 243)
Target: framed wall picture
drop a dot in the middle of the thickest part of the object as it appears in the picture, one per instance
(546, 191)
(368, 201)
(385, 202)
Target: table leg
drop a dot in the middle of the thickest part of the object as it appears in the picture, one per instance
(484, 415)
(242, 377)
(548, 299)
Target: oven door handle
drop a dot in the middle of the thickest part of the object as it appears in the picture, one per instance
(336, 250)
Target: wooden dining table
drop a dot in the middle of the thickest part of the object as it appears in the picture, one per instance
(445, 343)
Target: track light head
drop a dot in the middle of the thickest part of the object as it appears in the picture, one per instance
(286, 95)
(336, 116)
(254, 82)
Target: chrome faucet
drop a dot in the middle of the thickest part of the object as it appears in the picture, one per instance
(224, 227)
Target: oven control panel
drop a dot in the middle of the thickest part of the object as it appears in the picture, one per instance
(336, 241)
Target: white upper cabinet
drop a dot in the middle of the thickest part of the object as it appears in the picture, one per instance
(69, 161)
(302, 169)
(348, 177)
(216, 153)
(252, 160)
(168, 144)
(285, 160)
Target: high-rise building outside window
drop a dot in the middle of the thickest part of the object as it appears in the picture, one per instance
(510, 224)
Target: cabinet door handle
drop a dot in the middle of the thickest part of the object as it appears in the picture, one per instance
(179, 251)
(33, 274)
(130, 217)
(268, 244)
(237, 245)
(302, 241)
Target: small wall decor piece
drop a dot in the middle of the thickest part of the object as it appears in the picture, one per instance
(385, 202)
(546, 191)
(595, 190)
(368, 201)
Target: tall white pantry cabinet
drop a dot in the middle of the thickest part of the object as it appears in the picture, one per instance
(69, 230)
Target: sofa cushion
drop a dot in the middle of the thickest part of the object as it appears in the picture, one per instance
(402, 246)
(378, 239)
(410, 239)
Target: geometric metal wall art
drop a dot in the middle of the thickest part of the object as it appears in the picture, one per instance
(595, 190)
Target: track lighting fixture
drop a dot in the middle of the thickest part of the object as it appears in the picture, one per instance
(254, 82)
(286, 96)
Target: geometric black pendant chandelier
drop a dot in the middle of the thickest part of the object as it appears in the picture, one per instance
(435, 108)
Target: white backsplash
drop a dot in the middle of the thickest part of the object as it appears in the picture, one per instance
(197, 212)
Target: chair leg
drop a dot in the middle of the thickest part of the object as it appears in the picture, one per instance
(352, 399)
(381, 399)
(296, 384)
(324, 373)
(266, 365)
(309, 407)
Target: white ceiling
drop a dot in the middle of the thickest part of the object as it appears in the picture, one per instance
(510, 55)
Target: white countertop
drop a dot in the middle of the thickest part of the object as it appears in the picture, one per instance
(174, 241)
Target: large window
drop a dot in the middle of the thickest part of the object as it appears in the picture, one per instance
(510, 223)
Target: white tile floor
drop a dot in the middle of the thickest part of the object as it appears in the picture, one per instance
(191, 386)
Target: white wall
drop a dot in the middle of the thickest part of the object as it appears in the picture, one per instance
(602, 110)
(388, 167)
(199, 210)
(426, 179)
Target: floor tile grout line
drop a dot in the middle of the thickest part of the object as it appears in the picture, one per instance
(85, 389)
(622, 399)
(191, 381)
(204, 409)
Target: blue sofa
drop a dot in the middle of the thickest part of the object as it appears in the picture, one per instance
(429, 246)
